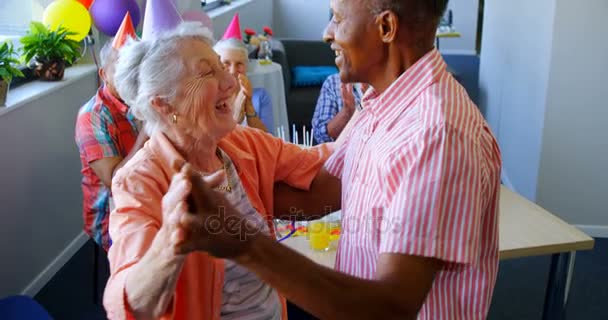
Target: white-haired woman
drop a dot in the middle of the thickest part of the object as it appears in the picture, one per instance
(179, 87)
(253, 106)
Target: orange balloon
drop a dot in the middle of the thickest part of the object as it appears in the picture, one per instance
(86, 3)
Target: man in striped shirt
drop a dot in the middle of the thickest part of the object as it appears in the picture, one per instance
(420, 179)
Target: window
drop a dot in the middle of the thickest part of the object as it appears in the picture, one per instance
(15, 17)
(212, 4)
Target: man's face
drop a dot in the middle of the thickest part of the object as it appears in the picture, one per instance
(353, 36)
(107, 74)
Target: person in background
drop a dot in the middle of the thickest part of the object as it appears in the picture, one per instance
(107, 136)
(335, 107)
(253, 106)
(420, 185)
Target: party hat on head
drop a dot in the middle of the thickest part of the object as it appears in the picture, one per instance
(125, 32)
(234, 29)
(160, 16)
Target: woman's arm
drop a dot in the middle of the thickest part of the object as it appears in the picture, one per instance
(150, 285)
(321, 199)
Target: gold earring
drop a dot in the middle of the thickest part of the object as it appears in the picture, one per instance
(174, 118)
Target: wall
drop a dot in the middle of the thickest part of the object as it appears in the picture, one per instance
(513, 80)
(41, 210)
(308, 19)
(252, 13)
(573, 178)
(465, 16)
(301, 19)
(543, 91)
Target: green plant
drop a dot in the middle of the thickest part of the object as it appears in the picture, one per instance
(47, 45)
(8, 61)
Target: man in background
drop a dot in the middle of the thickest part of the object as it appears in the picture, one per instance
(335, 107)
(107, 136)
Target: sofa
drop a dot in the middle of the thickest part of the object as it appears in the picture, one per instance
(289, 53)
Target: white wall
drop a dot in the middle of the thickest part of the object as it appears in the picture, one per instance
(465, 16)
(513, 80)
(40, 195)
(307, 20)
(301, 19)
(573, 178)
(543, 91)
(252, 14)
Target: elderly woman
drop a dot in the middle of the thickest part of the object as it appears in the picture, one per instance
(179, 87)
(253, 107)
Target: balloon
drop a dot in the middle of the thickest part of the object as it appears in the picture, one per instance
(108, 14)
(86, 3)
(69, 14)
(198, 15)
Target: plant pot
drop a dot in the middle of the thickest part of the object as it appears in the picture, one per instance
(49, 70)
(3, 92)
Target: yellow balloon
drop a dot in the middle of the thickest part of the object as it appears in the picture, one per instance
(69, 14)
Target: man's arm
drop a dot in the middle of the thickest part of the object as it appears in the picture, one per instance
(398, 291)
(105, 168)
(326, 109)
(322, 198)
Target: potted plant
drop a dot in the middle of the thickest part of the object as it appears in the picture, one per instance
(47, 51)
(8, 70)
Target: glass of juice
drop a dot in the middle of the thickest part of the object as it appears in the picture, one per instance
(318, 235)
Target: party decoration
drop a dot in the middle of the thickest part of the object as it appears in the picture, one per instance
(160, 16)
(71, 15)
(234, 29)
(86, 3)
(108, 14)
(125, 31)
(200, 16)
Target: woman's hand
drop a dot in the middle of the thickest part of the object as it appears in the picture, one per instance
(246, 87)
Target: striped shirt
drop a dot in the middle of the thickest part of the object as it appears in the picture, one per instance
(244, 295)
(104, 128)
(421, 177)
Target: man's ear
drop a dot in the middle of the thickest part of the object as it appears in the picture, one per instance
(388, 24)
(162, 106)
(102, 74)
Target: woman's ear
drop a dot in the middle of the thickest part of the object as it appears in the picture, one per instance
(162, 106)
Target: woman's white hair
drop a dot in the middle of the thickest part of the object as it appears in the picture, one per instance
(232, 44)
(147, 69)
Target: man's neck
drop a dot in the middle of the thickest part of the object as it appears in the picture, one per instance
(398, 61)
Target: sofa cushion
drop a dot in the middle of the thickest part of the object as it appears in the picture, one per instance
(311, 76)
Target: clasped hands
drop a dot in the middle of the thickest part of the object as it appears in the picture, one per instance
(198, 218)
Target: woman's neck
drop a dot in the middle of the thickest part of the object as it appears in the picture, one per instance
(200, 153)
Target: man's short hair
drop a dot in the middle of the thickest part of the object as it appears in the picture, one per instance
(413, 12)
(106, 54)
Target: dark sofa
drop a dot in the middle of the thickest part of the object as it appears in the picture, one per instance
(290, 53)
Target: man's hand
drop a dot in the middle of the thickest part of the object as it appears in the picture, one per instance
(206, 221)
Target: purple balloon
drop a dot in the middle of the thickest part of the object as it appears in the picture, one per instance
(200, 16)
(108, 14)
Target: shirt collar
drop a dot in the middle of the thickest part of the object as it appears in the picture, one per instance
(407, 87)
(110, 100)
(162, 147)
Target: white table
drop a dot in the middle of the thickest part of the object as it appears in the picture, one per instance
(525, 230)
(270, 77)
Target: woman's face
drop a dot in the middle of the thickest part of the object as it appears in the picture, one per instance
(203, 101)
(235, 61)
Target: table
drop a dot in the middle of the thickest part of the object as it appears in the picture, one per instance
(270, 77)
(525, 230)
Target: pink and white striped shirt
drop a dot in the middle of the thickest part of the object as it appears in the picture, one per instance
(421, 176)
